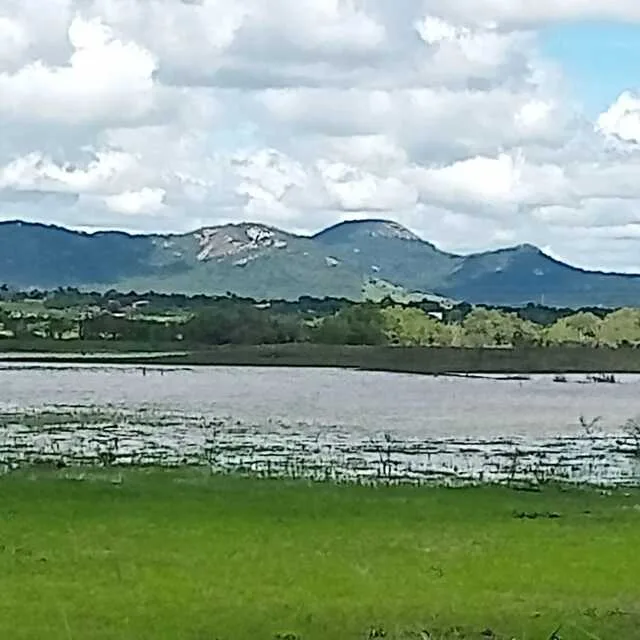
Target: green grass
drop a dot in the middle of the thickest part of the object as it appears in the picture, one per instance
(178, 554)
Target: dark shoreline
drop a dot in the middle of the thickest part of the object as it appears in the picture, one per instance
(419, 360)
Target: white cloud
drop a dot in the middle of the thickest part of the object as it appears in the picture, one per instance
(494, 186)
(622, 119)
(322, 27)
(526, 12)
(167, 114)
(483, 51)
(267, 179)
(422, 120)
(352, 189)
(137, 202)
(378, 153)
(13, 42)
(187, 37)
(103, 174)
(105, 80)
(478, 181)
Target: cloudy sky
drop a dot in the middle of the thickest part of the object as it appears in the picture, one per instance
(476, 123)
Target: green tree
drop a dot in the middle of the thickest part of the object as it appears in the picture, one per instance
(582, 328)
(240, 323)
(487, 328)
(361, 324)
(492, 328)
(526, 333)
(622, 327)
(413, 327)
(59, 326)
(102, 327)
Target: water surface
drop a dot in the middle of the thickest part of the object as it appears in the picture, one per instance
(320, 422)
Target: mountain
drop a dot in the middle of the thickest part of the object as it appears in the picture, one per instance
(523, 274)
(264, 262)
(386, 250)
(247, 259)
(47, 256)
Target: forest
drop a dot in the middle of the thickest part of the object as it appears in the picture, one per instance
(68, 314)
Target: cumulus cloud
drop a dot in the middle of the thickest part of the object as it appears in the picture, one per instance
(524, 12)
(104, 81)
(13, 42)
(622, 119)
(34, 171)
(166, 115)
(136, 202)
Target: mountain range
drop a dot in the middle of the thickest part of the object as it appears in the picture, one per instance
(350, 259)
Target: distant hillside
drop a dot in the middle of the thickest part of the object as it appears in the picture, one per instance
(263, 262)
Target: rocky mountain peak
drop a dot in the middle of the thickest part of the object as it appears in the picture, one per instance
(246, 239)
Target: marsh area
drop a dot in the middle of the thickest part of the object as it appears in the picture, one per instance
(321, 423)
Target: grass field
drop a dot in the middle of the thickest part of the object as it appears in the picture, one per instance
(179, 554)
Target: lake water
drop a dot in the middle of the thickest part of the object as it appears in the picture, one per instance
(320, 423)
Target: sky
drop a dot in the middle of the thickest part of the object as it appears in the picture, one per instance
(475, 123)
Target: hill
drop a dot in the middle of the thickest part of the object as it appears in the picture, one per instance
(262, 262)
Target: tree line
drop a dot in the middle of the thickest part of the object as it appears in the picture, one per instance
(480, 327)
(232, 320)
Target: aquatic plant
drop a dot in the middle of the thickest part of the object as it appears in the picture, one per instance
(632, 429)
(603, 378)
(589, 426)
(107, 453)
(112, 436)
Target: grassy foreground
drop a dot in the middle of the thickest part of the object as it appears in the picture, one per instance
(178, 554)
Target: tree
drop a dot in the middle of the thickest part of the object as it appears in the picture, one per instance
(541, 315)
(102, 327)
(240, 323)
(580, 328)
(59, 326)
(526, 333)
(621, 327)
(413, 327)
(361, 324)
(457, 314)
(492, 328)
(487, 328)
(18, 326)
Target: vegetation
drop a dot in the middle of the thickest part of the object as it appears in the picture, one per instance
(179, 554)
(418, 360)
(198, 321)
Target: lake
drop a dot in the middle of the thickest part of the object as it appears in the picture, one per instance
(321, 423)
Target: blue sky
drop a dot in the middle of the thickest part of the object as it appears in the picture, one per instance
(600, 60)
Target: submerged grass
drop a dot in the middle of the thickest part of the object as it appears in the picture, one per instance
(72, 417)
(180, 554)
(425, 360)
(37, 419)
